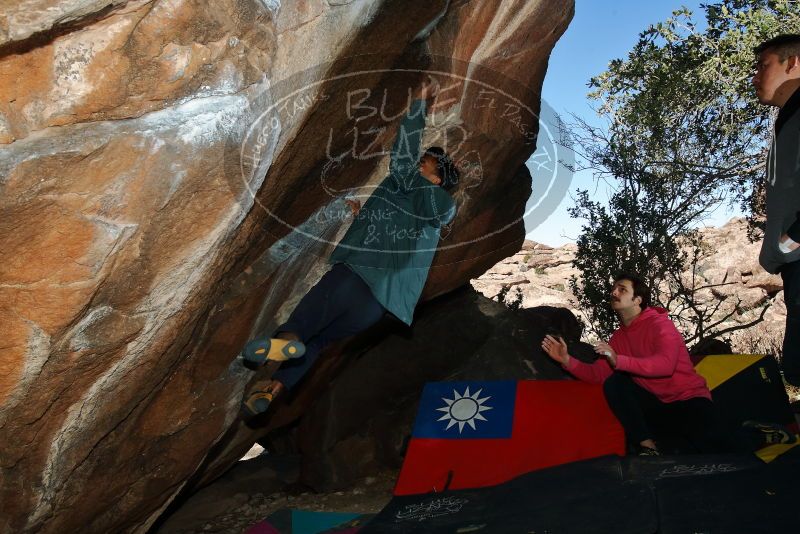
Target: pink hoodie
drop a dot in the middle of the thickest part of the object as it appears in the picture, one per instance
(652, 350)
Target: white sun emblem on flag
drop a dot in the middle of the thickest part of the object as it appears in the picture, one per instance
(464, 409)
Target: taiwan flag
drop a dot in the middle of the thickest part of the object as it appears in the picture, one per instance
(476, 434)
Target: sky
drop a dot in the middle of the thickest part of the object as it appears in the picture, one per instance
(599, 32)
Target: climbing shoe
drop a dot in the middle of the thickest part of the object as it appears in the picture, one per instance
(770, 433)
(261, 397)
(647, 451)
(257, 352)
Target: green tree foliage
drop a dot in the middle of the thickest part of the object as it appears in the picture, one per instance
(513, 303)
(682, 134)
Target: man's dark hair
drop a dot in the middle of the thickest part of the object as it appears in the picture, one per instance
(445, 168)
(640, 288)
(785, 45)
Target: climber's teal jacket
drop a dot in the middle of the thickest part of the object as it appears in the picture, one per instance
(392, 240)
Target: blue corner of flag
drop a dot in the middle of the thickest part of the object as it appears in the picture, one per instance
(466, 410)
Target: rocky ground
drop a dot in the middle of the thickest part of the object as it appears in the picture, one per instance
(260, 485)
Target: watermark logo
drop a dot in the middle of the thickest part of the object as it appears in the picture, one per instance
(401, 157)
(430, 508)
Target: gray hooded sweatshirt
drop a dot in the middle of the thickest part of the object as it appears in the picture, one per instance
(783, 188)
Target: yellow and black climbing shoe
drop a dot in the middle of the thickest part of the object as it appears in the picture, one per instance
(257, 352)
(260, 398)
(771, 433)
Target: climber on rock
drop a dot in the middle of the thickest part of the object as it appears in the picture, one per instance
(379, 266)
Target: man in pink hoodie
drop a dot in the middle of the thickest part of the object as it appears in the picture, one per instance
(648, 379)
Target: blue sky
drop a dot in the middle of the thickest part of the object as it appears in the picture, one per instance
(599, 32)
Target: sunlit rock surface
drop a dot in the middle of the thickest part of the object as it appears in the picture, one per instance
(171, 174)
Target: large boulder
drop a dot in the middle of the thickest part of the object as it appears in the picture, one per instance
(361, 422)
(168, 184)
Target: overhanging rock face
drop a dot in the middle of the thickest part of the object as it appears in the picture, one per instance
(170, 181)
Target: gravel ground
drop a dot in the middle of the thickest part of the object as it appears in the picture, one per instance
(230, 505)
(369, 497)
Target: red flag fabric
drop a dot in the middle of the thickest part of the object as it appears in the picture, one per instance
(476, 434)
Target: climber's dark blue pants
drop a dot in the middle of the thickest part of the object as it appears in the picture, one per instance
(338, 306)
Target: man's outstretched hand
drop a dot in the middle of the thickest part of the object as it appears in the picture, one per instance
(556, 348)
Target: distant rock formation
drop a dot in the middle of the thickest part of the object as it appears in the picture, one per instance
(539, 275)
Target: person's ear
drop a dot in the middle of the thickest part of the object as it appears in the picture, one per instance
(793, 64)
(637, 303)
(438, 180)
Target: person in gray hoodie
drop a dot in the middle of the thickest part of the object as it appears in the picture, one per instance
(777, 83)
